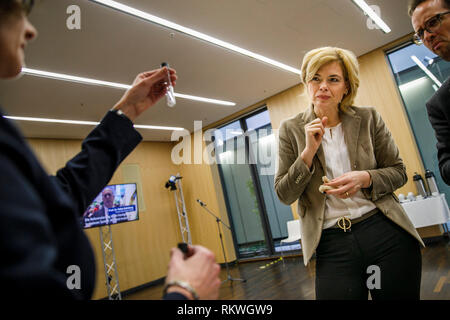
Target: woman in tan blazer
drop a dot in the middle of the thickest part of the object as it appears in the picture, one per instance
(361, 235)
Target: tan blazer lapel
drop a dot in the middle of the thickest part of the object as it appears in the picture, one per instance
(309, 116)
(321, 156)
(351, 124)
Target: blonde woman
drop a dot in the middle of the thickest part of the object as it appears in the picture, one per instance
(361, 235)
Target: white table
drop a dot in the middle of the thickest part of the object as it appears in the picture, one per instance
(428, 212)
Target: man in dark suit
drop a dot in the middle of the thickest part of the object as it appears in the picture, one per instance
(40, 233)
(431, 22)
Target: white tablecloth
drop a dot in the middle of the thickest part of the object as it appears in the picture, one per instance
(428, 212)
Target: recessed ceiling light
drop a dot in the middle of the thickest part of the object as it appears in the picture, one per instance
(87, 123)
(65, 77)
(376, 18)
(171, 25)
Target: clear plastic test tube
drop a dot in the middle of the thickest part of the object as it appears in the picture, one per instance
(170, 95)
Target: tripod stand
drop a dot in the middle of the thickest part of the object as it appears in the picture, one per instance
(218, 220)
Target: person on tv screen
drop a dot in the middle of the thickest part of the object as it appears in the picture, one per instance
(99, 215)
(39, 214)
(108, 202)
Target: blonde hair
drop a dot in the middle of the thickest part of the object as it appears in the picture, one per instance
(319, 57)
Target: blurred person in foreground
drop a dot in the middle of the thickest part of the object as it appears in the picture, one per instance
(39, 214)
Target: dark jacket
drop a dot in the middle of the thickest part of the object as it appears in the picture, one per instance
(438, 108)
(40, 214)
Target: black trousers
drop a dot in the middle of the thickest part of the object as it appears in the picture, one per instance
(376, 255)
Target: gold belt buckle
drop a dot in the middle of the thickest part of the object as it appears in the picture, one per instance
(344, 223)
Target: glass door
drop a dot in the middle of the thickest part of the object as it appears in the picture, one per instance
(263, 149)
(246, 154)
(418, 73)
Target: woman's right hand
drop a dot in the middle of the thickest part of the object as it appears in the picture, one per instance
(314, 132)
(147, 89)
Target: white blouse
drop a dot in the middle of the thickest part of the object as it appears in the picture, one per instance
(338, 162)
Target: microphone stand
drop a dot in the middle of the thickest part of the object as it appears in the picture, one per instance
(218, 220)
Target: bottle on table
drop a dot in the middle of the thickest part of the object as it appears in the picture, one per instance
(418, 181)
(431, 181)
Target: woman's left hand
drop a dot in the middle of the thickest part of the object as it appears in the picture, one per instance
(348, 184)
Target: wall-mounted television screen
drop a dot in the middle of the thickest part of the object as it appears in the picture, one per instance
(115, 204)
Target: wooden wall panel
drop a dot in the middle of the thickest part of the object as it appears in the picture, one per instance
(287, 104)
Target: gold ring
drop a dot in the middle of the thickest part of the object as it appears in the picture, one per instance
(347, 194)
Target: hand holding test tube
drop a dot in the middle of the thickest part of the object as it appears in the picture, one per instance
(170, 95)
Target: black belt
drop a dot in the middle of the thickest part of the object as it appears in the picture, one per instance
(345, 223)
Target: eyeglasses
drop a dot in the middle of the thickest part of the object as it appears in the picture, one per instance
(27, 5)
(431, 26)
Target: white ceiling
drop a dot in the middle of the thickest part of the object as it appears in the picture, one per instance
(113, 46)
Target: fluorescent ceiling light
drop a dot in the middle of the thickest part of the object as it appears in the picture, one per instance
(171, 25)
(140, 126)
(88, 123)
(376, 18)
(214, 101)
(65, 77)
(428, 72)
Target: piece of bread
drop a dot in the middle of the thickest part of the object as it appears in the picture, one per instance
(324, 188)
